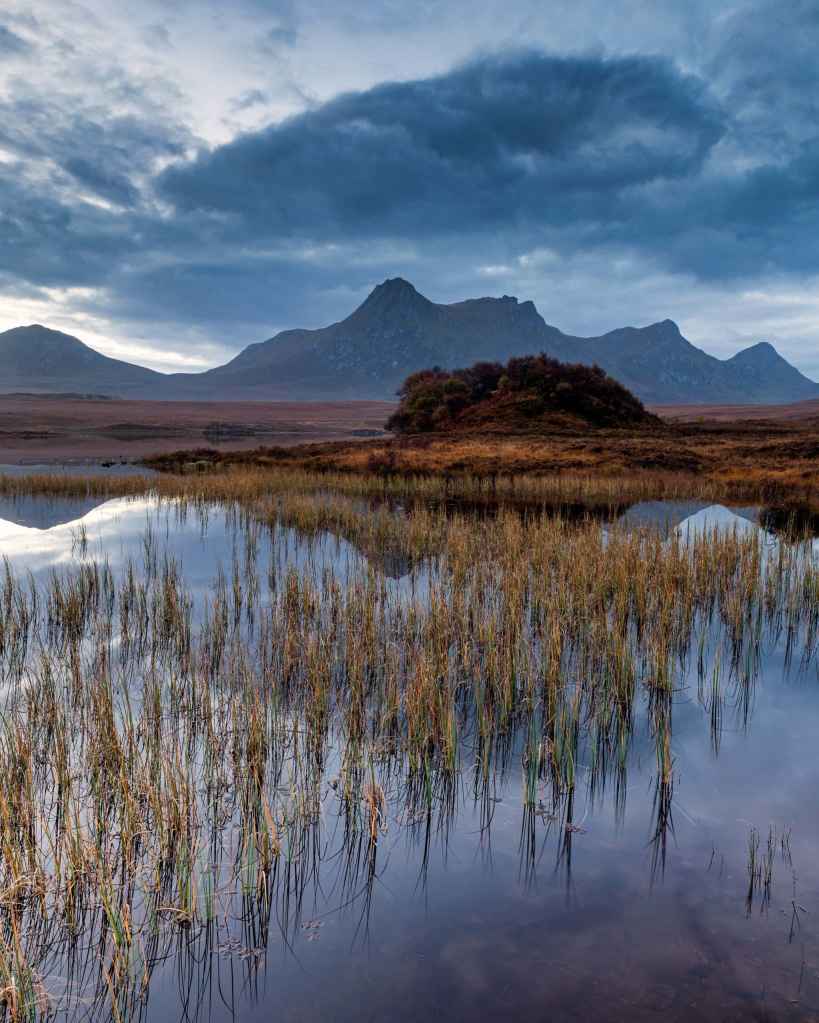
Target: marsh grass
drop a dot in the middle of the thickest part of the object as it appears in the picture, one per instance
(244, 483)
(173, 768)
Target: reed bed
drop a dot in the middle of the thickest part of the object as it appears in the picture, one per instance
(248, 483)
(174, 766)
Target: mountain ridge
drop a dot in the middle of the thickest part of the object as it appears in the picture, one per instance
(397, 331)
(36, 358)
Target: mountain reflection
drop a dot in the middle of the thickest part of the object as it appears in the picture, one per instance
(45, 530)
(32, 512)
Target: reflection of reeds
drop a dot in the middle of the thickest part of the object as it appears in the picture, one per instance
(760, 865)
(164, 761)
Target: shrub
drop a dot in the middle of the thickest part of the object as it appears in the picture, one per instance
(525, 389)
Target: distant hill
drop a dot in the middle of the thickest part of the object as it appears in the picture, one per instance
(661, 366)
(38, 360)
(527, 394)
(396, 332)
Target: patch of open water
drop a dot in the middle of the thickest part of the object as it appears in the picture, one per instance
(488, 911)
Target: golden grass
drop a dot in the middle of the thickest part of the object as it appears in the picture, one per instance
(429, 475)
(751, 460)
(167, 765)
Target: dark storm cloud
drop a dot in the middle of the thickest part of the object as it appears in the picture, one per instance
(107, 156)
(715, 175)
(725, 225)
(47, 241)
(102, 153)
(73, 178)
(526, 139)
(571, 152)
(502, 139)
(766, 69)
(66, 161)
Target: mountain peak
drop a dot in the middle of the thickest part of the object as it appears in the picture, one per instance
(761, 348)
(29, 328)
(667, 327)
(393, 297)
(37, 333)
(394, 289)
(396, 285)
(38, 358)
(761, 355)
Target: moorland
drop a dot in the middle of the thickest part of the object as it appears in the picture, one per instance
(750, 460)
(94, 428)
(269, 709)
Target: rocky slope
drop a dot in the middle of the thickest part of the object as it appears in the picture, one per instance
(397, 331)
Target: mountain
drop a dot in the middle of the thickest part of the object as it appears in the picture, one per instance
(396, 331)
(661, 366)
(46, 361)
(762, 369)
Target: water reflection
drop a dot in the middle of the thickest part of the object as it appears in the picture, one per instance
(671, 516)
(31, 512)
(43, 532)
(482, 893)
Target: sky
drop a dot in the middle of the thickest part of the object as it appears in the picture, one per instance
(180, 180)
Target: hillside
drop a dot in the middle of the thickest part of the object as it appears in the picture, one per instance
(397, 331)
(661, 366)
(39, 360)
(531, 394)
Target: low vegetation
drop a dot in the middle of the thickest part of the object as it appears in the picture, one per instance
(412, 480)
(175, 764)
(758, 462)
(527, 394)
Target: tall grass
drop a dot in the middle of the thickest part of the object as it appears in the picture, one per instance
(169, 766)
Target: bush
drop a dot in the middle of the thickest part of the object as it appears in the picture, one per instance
(525, 389)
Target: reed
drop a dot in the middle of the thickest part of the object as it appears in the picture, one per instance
(240, 483)
(172, 761)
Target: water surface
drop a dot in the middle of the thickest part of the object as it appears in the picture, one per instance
(479, 907)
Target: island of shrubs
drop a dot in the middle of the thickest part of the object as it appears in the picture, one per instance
(528, 393)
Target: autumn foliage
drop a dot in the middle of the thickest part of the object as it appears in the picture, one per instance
(530, 393)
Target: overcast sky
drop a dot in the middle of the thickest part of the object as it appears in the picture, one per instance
(179, 180)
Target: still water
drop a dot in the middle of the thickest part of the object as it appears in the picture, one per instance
(482, 909)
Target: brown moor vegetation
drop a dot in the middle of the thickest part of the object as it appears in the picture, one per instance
(743, 461)
(530, 394)
(536, 417)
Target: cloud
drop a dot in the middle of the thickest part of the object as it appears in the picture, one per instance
(765, 67)
(660, 176)
(12, 45)
(249, 98)
(281, 34)
(564, 153)
(44, 241)
(504, 138)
